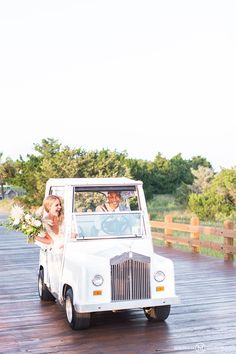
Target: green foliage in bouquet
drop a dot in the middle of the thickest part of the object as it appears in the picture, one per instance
(29, 223)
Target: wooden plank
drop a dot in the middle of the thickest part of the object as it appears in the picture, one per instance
(184, 241)
(171, 239)
(206, 315)
(193, 229)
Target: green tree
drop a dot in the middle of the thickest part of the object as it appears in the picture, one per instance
(197, 161)
(202, 179)
(161, 172)
(225, 184)
(26, 176)
(104, 163)
(7, 172)
(217, 201)
(209, 206)
(52, 160)
(182, 194)
(179, 172)
(144, 171)
(63, 164)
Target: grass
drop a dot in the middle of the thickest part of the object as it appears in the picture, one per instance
(163, 205)
(205, 251)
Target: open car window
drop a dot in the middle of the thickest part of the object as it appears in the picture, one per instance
(88, 199)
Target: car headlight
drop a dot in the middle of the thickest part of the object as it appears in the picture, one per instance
(159, 276)
(97, 280)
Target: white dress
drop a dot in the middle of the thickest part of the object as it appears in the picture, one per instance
(54, 258)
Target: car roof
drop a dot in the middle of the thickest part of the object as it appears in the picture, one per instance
(113, 181)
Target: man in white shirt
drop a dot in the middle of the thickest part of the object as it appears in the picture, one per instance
(113, 203)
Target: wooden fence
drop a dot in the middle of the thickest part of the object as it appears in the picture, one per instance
(227, 233)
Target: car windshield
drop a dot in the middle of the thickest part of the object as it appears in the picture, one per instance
(109, 225)
(107, 211)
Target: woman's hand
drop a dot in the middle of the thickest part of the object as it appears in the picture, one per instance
(46, 239)
(74, 235)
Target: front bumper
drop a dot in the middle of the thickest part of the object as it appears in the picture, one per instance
(125, 305)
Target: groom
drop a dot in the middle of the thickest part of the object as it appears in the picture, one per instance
(113, 203)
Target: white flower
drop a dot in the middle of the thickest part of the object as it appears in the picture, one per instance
(17, 212)
(28, 218)
(16, 222)
(36, 223)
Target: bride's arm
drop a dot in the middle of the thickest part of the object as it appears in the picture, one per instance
(46, 239)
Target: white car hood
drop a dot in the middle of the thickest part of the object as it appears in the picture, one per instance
(111, 248)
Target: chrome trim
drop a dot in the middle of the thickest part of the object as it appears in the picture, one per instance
(130, 277)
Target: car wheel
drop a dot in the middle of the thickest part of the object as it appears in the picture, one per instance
(75, 319)
(43, 291)
(157, 313)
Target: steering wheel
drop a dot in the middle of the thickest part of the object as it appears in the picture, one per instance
(115, 225)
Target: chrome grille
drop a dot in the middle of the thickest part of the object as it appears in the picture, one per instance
(130, 277)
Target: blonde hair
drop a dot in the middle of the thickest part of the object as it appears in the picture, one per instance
(48, 202)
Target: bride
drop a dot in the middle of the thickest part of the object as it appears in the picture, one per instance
(53, 222)
(53, 215)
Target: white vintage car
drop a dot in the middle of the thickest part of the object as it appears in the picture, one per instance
(110, 264)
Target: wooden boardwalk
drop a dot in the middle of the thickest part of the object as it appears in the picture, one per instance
(204, 322)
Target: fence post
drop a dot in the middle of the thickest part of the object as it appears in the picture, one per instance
(168, 232)
(195, 235)
(228, 241)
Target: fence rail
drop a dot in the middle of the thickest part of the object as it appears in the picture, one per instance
(227, 233)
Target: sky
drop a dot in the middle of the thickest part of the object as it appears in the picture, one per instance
(137, 76)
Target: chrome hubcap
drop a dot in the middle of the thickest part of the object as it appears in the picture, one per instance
(40, 286)
(68, 309)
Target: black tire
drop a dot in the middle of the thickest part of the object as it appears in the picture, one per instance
(75, 319)
(43, 291)
(157, 313)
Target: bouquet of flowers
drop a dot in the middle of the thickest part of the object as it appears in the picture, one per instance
(30, 223)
